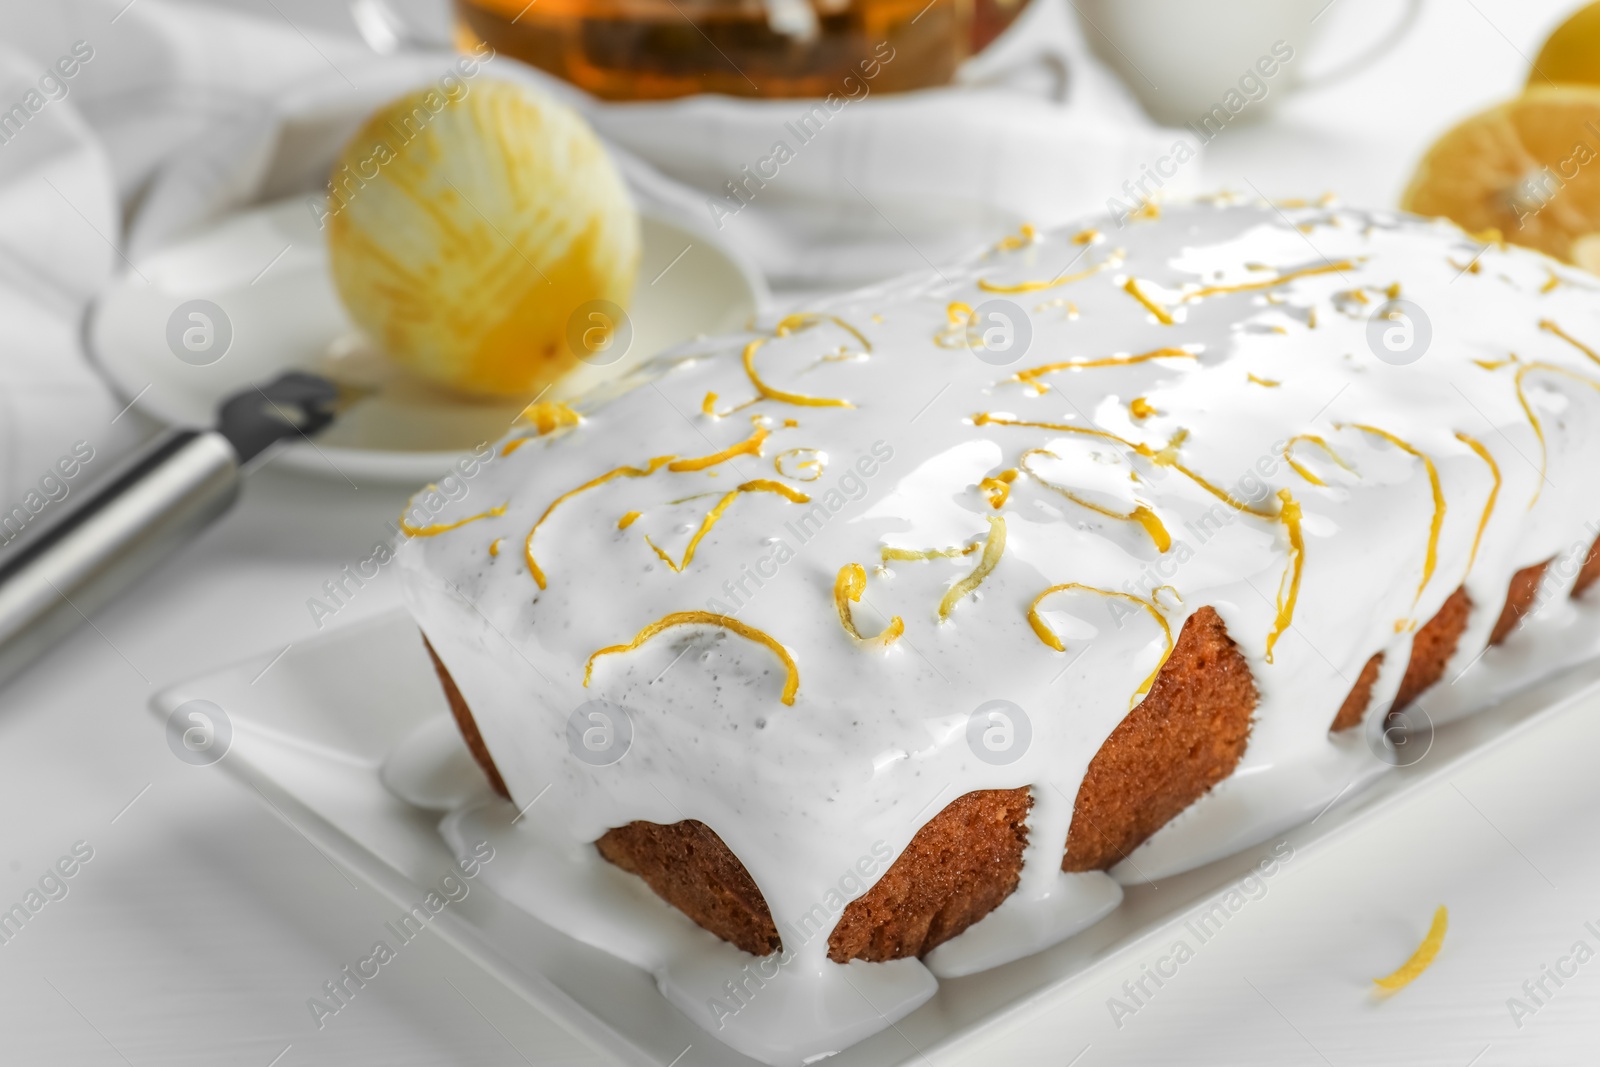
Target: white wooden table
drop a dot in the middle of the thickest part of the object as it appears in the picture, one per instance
(203, 923)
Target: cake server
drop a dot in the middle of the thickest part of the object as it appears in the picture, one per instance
(54, 578)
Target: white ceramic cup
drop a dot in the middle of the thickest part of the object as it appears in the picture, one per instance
(1183, 58)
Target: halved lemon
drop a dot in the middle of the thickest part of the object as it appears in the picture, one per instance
(1529, 168)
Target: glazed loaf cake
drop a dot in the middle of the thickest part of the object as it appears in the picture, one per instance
(920, 610)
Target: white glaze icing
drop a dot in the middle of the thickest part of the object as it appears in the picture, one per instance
(876, 741)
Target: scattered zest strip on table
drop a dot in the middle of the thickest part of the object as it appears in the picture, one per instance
(1421, 958)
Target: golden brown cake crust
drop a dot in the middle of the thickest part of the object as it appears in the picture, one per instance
(1519, 600)
(466, 724)
(690, 867)
(1436, 642)
(1432, 648)
(1589, 573)
(1186, 736)
(957, 869)
(1354, 707)
(686, 863)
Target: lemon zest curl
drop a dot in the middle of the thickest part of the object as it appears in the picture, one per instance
(434, 529)
(1422, 958)
(992, 550)
(847, 590)
(792, 324)
(791, 684)
(750, 446)
(620, 472)
(759, 485)
(1050, 638)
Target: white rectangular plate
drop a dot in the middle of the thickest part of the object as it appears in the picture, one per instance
(312, 732)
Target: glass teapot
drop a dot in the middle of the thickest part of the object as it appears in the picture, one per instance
(663, 49)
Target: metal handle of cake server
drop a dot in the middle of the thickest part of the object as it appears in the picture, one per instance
(53, 579)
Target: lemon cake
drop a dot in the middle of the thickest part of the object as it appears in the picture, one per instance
(889, 642)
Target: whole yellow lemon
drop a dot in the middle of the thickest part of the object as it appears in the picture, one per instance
(1572, 53)
(468, 230)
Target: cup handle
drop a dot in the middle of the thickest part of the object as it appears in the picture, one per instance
(1377, 50)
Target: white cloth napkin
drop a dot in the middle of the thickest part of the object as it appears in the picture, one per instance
(58, 218)
(185, 114)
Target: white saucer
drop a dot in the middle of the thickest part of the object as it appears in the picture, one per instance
(266, 269)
